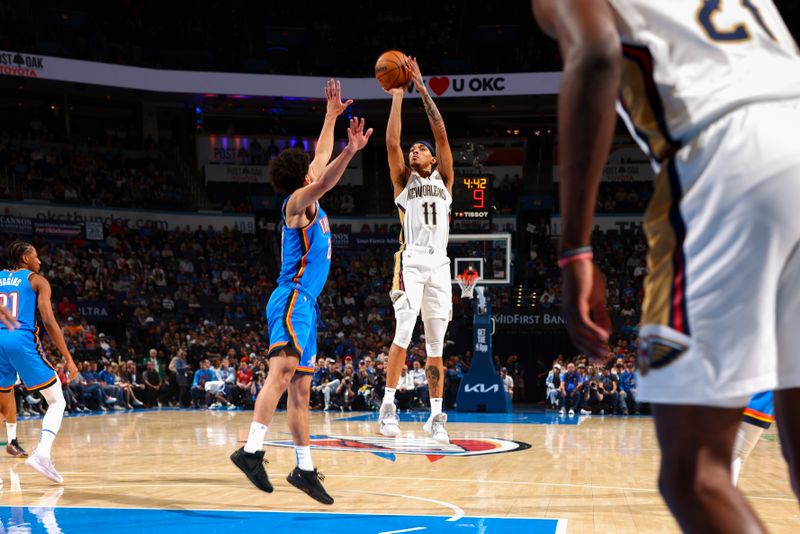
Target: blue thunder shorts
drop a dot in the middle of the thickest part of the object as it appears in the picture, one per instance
(21, 353)
(761, 410)
(292, 322)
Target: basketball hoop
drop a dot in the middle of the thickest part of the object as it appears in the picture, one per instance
(466, 281)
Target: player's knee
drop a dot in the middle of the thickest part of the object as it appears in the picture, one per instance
(280, 375)
(435, 330)
(406, 320)
(54, 397)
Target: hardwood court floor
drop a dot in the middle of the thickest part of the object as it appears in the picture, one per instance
(597, 473)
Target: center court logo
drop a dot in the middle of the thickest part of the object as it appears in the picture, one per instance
(389, 447)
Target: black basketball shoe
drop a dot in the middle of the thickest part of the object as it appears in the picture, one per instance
(252, 465)
(311, 483)
(15, 449)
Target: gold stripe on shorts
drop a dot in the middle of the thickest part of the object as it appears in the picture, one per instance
(665, 283)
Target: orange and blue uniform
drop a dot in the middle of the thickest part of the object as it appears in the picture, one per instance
(21, 349)
(292, 311)
(760, 410)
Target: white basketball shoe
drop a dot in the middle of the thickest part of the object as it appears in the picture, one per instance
(436, 427)
(389, 422)
(44, 466)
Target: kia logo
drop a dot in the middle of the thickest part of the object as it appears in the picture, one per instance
(481, 388)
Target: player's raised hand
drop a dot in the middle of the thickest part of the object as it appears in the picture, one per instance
(333, 93)
(356, 136)
(416, 75)
(584, 307)
(7, 319)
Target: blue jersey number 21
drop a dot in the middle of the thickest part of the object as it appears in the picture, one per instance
(739, 32)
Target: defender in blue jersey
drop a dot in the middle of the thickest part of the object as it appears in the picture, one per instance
(292, 312)
(26, 295)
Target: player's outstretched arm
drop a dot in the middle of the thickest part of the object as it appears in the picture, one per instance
(44, 294)
(444, 155)
(590, 47)
(333, 108)
(306, 196)
(398, 171)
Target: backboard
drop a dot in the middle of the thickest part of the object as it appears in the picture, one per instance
(487, 254)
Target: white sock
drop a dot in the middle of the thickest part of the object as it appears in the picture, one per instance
(736, 470)
(51, 421)
(436, 406)
(11, 430)
(255, 440)
(388, 397)
(303, 454)
(45, 443)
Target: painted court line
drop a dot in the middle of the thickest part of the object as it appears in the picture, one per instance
(458, 512)
(384, 477)
(555, 484)
(413, 530)
(270, 511)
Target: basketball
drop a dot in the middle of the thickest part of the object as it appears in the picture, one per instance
(390, 70)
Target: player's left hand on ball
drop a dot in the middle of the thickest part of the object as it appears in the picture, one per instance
(588, 323)
(7, 319)
(333, 93)
(356, 136)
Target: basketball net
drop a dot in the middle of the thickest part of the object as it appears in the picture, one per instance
(466, 282)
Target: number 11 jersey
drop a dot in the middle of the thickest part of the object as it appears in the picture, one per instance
(424, 207)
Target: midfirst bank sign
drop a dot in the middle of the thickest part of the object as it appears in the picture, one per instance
(521, 318)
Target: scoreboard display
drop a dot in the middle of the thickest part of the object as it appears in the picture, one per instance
(472, 198)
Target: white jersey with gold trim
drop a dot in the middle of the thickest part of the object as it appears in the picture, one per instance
(424, 207)
(688, 62)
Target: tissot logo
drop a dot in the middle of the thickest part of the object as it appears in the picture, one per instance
(481, 388)
(424, 446)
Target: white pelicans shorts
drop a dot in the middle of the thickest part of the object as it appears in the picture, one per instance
(721, 314)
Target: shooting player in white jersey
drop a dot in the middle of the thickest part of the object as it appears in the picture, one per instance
(423, 193)
(711, 91)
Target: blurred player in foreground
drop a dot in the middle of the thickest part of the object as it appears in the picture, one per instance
(711, 91)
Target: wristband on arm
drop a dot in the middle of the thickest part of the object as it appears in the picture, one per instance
(573, 255)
